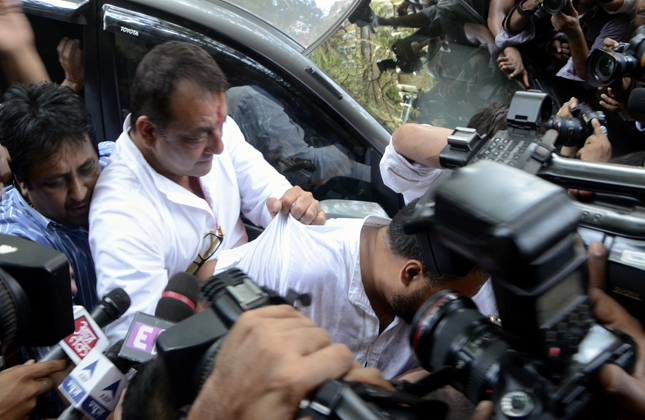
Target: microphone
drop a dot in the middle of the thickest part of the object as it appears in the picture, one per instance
(94, 387)
(179, 298)
(88, 329)
(176, 304)
(636, 101)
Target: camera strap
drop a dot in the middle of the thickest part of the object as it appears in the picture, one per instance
(542, 153)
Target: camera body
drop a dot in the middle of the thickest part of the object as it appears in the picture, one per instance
(574, 131)
(607, 67)
(35, 294)
(543, 363)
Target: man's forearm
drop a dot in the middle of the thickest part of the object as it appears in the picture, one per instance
(421, 143)
(579, 52)
(517, 22)
(24, 66)
(496, 14)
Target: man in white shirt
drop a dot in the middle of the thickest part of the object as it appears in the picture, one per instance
(179, 176)
(365, 278)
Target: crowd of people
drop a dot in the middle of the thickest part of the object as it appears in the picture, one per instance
(167, 195)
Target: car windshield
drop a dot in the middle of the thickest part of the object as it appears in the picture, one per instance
(305, 21)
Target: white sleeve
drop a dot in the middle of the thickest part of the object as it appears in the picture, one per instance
(412, 179)
(257, 179)
(504, 39)
(128, 251)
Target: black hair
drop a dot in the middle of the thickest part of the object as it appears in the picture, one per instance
(36, 120)
(400, 243)
(149, 395)
(161, 70)
(489, 119)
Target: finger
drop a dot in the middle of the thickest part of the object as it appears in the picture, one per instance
(502, 59)
(613, 315)
(628, 391)
(41, 385)
(329, 363)
(525, 80)
(597, 262)
(310, 214)
(303, 341)
(273, 205)
(597, 128)
(370, 376)
(321, 218)
(39, 370)
(483, 411)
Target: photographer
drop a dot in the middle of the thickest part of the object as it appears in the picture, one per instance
(21, 385)
(628, 390)
(596, 148)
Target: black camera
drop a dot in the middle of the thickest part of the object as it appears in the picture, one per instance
(573, 131)
(614, 216)
(35, 294)
(553, 7)
(607, 67)
(543, 363)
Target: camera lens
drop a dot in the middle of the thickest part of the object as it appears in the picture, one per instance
(554, 7)
(605, 68)
(448, 330)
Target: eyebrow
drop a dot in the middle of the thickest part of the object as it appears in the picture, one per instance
(56, 176)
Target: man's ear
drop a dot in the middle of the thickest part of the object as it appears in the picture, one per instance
(412, 270)
(22, 186)
(147, 131)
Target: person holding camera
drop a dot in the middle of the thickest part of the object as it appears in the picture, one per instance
(579, 30)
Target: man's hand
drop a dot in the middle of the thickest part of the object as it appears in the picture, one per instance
(609, 101)
(21, 385)
(272, 359)
(567, 23)
(15, 30)
(301, 204)
(628, 390)
(70, 57)
(560, 50)
(511, 62)
(597, 147)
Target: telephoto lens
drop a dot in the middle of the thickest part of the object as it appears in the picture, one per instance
(554, 7)
(448, 330)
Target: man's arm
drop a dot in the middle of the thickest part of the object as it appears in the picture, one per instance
(19, 58)
(511, 60)
(421, 143)
(516, 22)
(569, 24)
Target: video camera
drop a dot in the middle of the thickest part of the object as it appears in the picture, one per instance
(188, 353)
(35, 294)
(615, 215)
(543, 362)
(607, 66)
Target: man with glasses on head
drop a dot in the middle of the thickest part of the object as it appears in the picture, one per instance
(180, 170)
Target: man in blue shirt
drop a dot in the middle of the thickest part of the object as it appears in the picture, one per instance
(55, 162)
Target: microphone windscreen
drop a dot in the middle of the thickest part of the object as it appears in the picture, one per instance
(179, 299)
(120, 300)
(636, 102)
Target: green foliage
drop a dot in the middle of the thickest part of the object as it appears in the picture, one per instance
(349, 57)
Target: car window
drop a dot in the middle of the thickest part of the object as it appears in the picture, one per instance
(294, 135)
(423, 75)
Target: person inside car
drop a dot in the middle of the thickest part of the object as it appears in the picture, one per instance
(178, 179)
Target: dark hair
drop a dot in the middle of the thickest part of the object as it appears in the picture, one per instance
(489, 119)
(36, 120)
(161, 70)
(149, 396)
(400, 243)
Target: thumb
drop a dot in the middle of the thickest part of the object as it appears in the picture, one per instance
(597, 128)
(597, 261)
(628, 391)
(273, 205)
